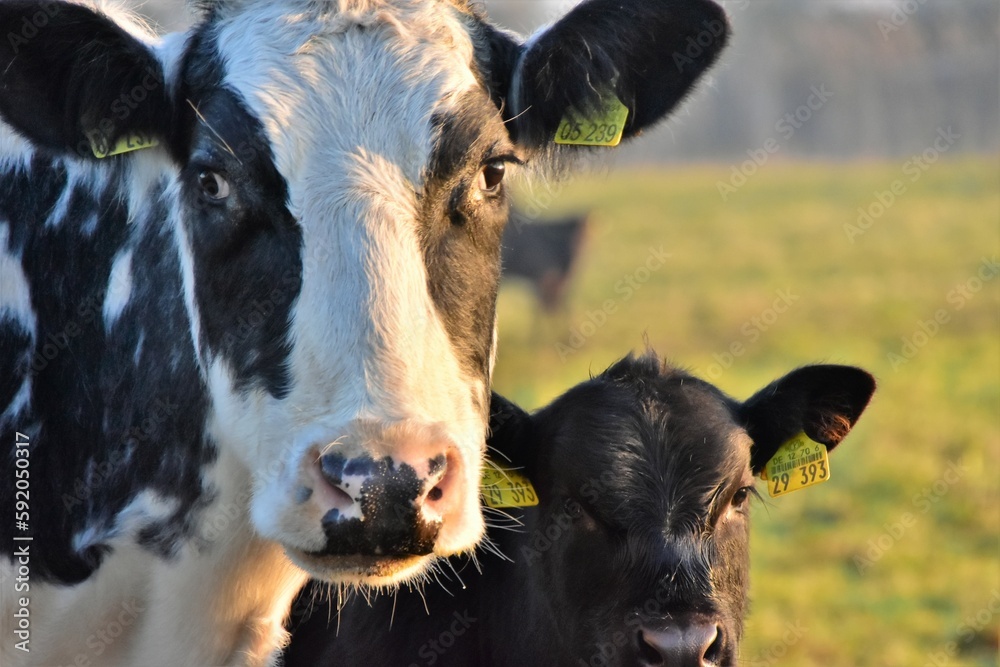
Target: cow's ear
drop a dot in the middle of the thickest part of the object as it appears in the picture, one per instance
(510, 432)
(648, 53)
(824, 402)
(71, 78)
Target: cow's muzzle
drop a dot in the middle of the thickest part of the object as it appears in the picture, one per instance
(380, 507)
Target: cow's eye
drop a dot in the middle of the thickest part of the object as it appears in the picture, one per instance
(491, 177)
(213, 185)
(741, 496)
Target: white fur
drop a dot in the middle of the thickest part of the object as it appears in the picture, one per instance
(15, 305)
(15, 292)
(119, 288)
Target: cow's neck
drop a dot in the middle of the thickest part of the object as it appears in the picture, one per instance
(96, 245)
(219, 602)
(224, 601)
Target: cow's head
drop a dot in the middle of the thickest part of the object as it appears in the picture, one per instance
(335, 174)
(645, 475)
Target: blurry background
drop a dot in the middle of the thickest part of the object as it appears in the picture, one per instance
(832, 193)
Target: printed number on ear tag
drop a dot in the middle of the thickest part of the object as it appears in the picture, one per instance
(604, 130)
(503, 487)
(127, 144)
(798, 463)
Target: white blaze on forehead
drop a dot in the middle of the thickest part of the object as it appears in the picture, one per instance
(349, 114)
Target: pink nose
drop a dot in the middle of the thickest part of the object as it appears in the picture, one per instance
(390, 503)
(692, 642)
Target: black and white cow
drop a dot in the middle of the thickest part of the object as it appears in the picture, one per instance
(261, 345)
(638, 552)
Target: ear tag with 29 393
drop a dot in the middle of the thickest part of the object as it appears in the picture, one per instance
(799, 463)
(503, 488)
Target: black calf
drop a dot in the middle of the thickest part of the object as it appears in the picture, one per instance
(638, 552)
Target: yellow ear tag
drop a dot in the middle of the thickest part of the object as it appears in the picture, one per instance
(604, 130)
(127, 144)
(503, 487)
(798, 463)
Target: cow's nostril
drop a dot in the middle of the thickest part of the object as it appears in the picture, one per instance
(648, 655)
(435, 494)
(340, 497)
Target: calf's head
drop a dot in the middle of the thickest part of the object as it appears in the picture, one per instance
(640, 553)
(332, 174)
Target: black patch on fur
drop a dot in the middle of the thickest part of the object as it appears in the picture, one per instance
(460, 230)
(248, 249)
(68, 74)
(391, 526)
(647, 52)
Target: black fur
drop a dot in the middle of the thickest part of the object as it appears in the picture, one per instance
(647, 52)
(460, 229)
(70, 76)
(246, 309)
(634, 470)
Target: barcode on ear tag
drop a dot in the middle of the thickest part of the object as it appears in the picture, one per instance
(605, 129)
(126, 144)
(503, 487)
(799, 463)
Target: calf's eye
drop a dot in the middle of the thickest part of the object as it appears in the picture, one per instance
(742, 495)
(213, 185)
(491, 177)
(573, 509)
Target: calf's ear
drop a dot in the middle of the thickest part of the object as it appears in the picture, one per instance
(71, 78)
(825, 402)
(648, 53)
(510, 432)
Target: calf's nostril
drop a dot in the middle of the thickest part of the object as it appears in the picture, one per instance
(713, 654)
(435, 494)
(693, 644)
(648, 655)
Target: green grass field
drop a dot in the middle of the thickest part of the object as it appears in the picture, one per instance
(896, 560)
